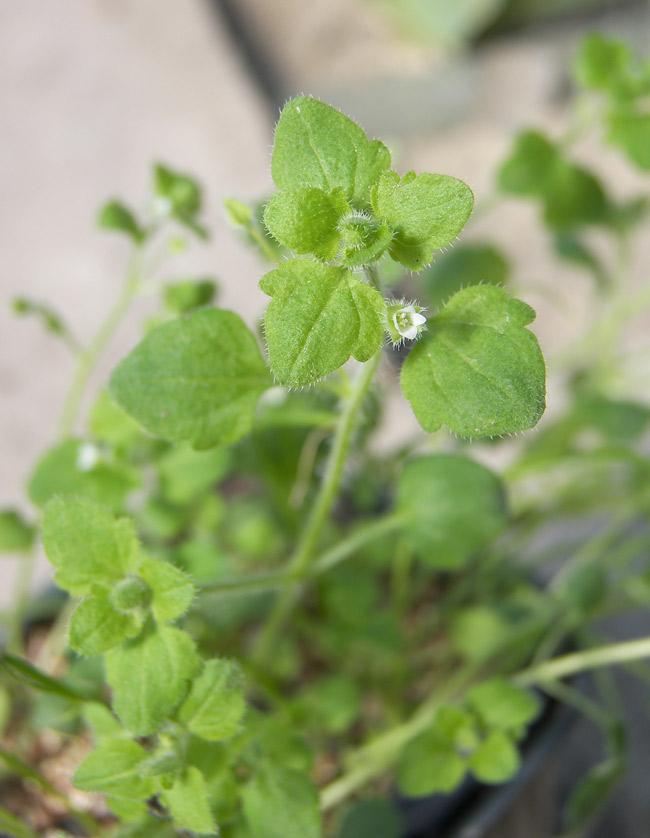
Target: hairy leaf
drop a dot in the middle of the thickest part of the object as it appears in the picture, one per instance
(87, 544)
(113, 768)
(96, 626)
(215, 704)
(149, 676)
(282, 803)
(478, 370)
(187, 800)
(195, 379)
(316, 145)
(305, 219)
(172, 590)
(426, 212)
(318, 317)
(16, 535)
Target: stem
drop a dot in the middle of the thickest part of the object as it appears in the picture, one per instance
(362, 536)
(575, 662)
(374, 759)
(304, 553)
(89, 357)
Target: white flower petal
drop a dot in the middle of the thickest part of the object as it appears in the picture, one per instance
(411, 333)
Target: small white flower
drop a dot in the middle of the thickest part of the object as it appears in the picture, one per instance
(408, 322)
(87, 457)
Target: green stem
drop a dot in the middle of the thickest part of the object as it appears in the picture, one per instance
(571, 664)
(376, 757)
(359, 538)
(90, 356)
(304, 553)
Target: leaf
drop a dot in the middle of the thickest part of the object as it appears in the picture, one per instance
(27, 673)
(109, 423)
(74, 467)
(16, 535)
(591, 792)
(96, 626)
(502, 705)
(569, 194)
(631, 131)
(117, 217)
(101, 721)
(183, 297)
(496, 759)
(185, 473)
(426, 212)
(462, 266)
(239, 214)
(182, 191)
(196, 379)
(113, 769)
(87, 544)
(452, 506)
(316, 145)
(428, 765)
(610, 67)
(187, 800)
(477, 370)
(172, 590)
(282, 803)
(215, 704)
(318, 317)
(149, 676)
(306, 219)
(372, 819)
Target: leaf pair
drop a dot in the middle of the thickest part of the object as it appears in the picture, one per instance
(98, 557)
(480, 736)
(339, 199)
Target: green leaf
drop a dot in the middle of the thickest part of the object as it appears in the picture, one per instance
(187, 800)
(610, 67)
(186, 474)
(452, 507)
(74, 468)
(172, 590)
(48, 317)
(306, 219)
(631, 131)
(239, 214)
(182, 191)
(196, 379)
(502, 705)
(27, 673)
(318, 317)
(109, 423)
(282, 803)
(117, 217)
(591, 792)
(477, 370)
(372, 819)
(426, 212)
(101, 721)
(316, 145)
(96, 626)
(87, 544)
(461, 267)
(215, 704)
(182, 297)
(428, 765)
(16, 535)
(113, 769)
(149, 676)
(496, 759)
(569, 194)
(530, 166)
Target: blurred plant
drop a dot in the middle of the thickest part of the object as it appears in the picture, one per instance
(265, 617)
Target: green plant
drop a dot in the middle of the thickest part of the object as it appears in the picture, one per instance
(275, 606)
